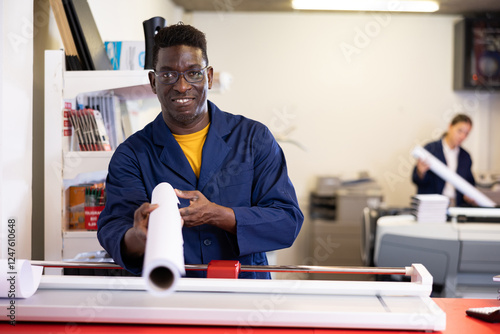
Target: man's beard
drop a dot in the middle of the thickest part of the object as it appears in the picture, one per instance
(185, 119)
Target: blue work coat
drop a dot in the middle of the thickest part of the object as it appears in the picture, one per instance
(433, 184)
(242, 168)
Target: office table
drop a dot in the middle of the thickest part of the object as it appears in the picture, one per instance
(457, 322)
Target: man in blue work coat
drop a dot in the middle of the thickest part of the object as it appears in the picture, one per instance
(237, 201)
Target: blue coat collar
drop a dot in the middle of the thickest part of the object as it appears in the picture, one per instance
(215, 149)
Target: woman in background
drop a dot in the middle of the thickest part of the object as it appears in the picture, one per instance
(448, 151)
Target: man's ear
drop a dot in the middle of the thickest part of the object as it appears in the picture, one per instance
(152, 81)
(210, 75)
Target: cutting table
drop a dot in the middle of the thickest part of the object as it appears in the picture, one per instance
(456, 322)
(238, 303)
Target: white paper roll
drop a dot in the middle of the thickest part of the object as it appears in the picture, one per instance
(164, 255)
(18, 279)
(450, 176)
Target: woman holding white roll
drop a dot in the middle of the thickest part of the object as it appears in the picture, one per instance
(449, 151)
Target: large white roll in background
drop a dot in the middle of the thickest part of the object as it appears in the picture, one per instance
(450, 176)
(164, 255)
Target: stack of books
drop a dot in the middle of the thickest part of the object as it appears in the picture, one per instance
(430, 208)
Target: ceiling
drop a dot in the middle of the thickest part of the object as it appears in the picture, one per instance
(446, 6)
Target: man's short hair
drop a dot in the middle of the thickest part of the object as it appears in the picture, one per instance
(179, 34)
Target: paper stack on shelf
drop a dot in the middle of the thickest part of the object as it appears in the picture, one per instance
(430, 208)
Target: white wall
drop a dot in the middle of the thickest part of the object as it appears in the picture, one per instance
(16, 90)
(360, 89)
(122, 20)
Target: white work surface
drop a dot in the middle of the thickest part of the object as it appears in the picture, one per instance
(313, 304)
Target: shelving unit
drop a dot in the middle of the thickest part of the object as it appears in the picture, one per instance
(60, 85)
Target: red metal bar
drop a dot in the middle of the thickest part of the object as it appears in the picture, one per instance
(223, 269)
(242, 268)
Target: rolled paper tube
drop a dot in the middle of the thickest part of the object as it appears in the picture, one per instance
(18, 278)
(441, 170)
(164, 255)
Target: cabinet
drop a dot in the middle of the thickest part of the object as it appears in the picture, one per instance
(60, 164)
(336, 236)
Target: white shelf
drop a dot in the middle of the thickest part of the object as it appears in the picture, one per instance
(84, 162)
(76, 242)
(59, 166)
(131, 84)
(83, 234)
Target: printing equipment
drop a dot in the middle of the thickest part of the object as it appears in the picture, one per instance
(462, 254)
(336, 216)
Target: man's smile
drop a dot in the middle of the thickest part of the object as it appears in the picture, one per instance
(182, 100)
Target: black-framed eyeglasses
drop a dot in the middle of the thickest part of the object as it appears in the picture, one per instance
(171, 77)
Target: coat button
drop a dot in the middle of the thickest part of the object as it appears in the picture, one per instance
(207, 242)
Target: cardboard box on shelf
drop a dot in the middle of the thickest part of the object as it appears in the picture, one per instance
(77, 207)
(126, 55)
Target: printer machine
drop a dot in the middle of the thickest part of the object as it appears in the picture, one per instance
(465, 251)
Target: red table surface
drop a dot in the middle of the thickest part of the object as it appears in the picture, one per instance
(457, 322)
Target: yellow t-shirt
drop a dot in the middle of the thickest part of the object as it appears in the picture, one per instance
(192, 146)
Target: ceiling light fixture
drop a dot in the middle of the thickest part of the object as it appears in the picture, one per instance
(368, 5)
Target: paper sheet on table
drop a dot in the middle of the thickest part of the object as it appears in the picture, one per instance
(164, 255)
(19, 279)
(450, 176)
